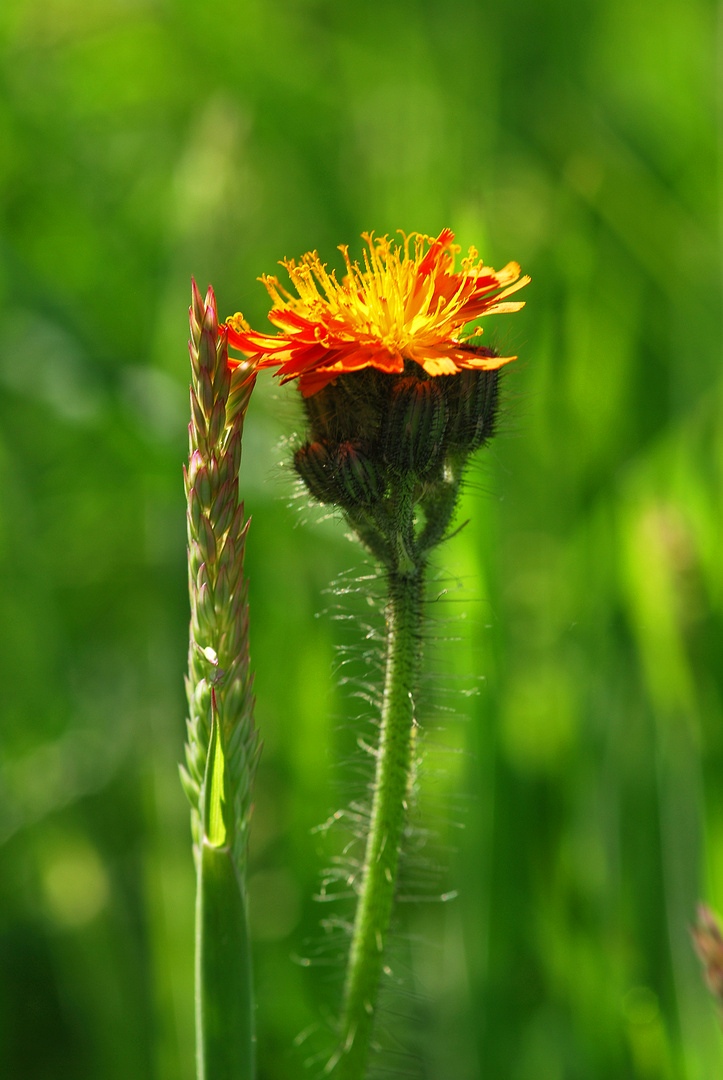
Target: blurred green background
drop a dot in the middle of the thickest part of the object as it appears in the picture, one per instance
(576, 784)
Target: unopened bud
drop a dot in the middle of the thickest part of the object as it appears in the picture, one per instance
(343, 474)
(350, 408)
(415, 425)
(322, 412)
(314, 464)
(361, 481)
(471, 397)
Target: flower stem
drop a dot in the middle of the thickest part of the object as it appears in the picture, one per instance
(391, 788)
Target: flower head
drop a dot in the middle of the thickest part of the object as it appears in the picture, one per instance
(406, 303)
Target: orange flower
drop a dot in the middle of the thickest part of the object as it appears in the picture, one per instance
(404, 304)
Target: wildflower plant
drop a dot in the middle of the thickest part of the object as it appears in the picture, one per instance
(397, 396)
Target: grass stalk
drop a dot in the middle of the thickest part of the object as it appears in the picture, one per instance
(222, 747)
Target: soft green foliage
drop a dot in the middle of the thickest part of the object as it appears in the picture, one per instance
(141, 143)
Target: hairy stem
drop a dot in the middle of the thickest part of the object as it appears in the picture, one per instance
(391, 787)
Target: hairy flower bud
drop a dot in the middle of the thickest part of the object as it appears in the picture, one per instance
(415, 425)
(471, 398)
(349, 409)
(342, 474)
(314, 464)
(360, 480)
